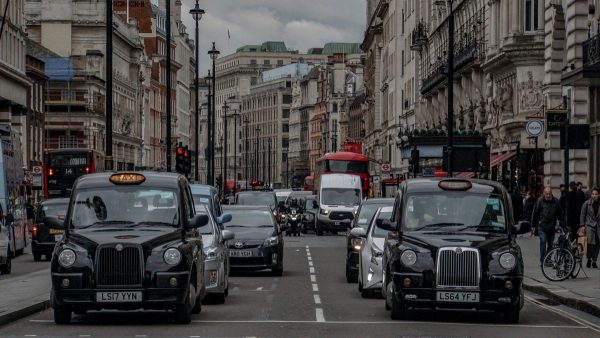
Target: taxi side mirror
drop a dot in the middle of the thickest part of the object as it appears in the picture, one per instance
(386, 224)
(358, 232)
(54, 223)
(227, 235)
(197, 221)
(224, 218)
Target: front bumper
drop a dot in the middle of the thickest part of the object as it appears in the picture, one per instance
(329, 225)
(262, 258)
(372, 274)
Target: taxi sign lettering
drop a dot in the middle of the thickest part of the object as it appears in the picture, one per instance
(127, 178)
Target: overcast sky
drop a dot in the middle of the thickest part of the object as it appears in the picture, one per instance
(301, 24)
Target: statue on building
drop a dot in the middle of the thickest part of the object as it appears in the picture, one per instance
(530, 94)
(507, 103)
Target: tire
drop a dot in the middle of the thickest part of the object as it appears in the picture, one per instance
(558, 264)
(80, 312)
(218, 298)
(37, 256)
(360, 287)
(398, 309)
(6, 269)
(226, 293)
(183, 312)
(366, 293)
(318, 230)
(512, 316)
(62, 313)
(277, 271)
(198, 306)
(351, 276)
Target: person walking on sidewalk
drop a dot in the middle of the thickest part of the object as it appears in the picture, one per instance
(590, 219)
(546, 213)
(528, 205)
(574, 208)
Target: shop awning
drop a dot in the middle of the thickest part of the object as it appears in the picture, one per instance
(496, 159)
(465, 174)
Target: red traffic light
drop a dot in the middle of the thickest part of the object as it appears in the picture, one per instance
(186, 154)
(179, 151)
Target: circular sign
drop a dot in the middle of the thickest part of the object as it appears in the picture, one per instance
(385, 167)
(37, 170)
(535, 128)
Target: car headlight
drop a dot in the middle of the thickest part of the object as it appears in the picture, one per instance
(271, 241)
(66, 258)
(356, 244)
(172, 256)
(408, 258)
(211, 254)
(508, 260)
(324, 211)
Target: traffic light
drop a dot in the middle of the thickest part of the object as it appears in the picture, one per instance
(180, 160)
(187, 161)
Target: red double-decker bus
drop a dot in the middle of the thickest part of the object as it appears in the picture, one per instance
(343, 163)
(63, 166)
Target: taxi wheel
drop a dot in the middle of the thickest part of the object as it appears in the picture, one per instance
(512, 316)
(398, 309)
(219, 298)
(7, 267)
(277, 272)
(62, 313)
(198, 306)
(183, 312)
(37, 256)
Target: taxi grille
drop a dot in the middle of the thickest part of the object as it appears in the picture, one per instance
(340, 215)
(458, 267)
(119, 268)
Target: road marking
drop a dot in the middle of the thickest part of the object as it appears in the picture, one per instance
(311, 269)
(317, 299)
(391, 322)
(260, 288)
(30, 335)
(313, 278)
(315, 288)
(310, 263)
(565, 314)
(320, 317)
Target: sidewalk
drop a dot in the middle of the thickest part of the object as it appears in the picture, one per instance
(581, 293)
(24, 295)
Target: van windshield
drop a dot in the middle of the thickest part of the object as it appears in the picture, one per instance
(340, 196)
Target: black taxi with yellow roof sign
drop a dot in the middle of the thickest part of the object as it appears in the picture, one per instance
(451, 244)
(131, 242)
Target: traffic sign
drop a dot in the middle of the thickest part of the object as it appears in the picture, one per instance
(385, 167)
(535, 128)
(37, 169)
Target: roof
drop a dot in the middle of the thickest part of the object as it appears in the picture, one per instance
(315, 51)
(153, 179)
(36, 50)
(341, 48)
(378, 201)
(266, 47)
(203, 189)
(431, 184)
(345, 156)
(248, 48)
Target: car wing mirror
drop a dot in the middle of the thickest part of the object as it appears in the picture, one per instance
(227, 235)
(386, 224)
(198, 221)
(358, 232)
(224, 218)
(315, 204)
(54, 223)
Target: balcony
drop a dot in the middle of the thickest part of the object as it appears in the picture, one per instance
(464, 55)
(589, 73)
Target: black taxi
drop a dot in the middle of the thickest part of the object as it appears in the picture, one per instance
(130, 242)
(451, 244)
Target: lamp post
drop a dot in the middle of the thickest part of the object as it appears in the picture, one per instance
(225, 108)
(209, 172)
(214, 54)
(269, 176)
(450, 122)
(197, 15)
(169, 86)
(247, 145)
(235, 144)
(109, 84)
(222, 187)
(264, 162)
(256, 153)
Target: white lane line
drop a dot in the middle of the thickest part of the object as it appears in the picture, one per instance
(391, 323)
(313, 278)
(30, 335)
(320, 317)
(317, 299)
(315, 288)
(307, 247)
(311, 269)
(310, 263)
(309, 259)
(260, 288)
(565, 314)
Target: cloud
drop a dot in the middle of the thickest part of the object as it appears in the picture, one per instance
(301, 24)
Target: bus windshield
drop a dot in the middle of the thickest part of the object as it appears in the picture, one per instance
(353, 167)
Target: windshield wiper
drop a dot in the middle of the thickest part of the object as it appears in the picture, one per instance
(479, 226)
(235, 226)
(265, 226)
(153, 223)
(437, 225)
(106, 223)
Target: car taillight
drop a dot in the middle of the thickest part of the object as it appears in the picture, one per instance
(87, 169)
(34, 231)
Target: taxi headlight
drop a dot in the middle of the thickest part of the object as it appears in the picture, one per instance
(172, 256)
(211, 254)
(408, 258)
(66, 258)
(271, 241)
(324, 211)
(508, 260)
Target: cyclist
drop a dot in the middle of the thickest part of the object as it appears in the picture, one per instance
(546, 213)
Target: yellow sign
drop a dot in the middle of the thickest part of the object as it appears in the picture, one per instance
(127, 178)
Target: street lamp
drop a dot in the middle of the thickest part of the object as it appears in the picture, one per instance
(247, 145)
(214, 54)
(225, 135)
(256, 152)
(450, 68)
(197, 13)
(235, 144)
(269, 176)
(210, 176)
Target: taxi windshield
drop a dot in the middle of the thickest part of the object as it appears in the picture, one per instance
(456, 211)
(125, 206)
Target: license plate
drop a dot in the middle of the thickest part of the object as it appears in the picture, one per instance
(240, 253)
(119, 297)
(56, 231)
(58, 238)
(459, 297)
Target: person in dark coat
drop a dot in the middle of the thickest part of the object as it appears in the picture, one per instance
(572, 208)
(590, 219)
(517, 204)
(546, 214)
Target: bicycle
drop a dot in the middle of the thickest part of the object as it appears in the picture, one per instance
(565, 258)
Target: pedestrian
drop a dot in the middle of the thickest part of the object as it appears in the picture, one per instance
(561, 198)
(30, 214)
(572, 208)
(590, 219)
(584, 195)
(546, 213)
(517, 204)
(528, 205)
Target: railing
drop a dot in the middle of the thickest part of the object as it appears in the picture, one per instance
(591, 51)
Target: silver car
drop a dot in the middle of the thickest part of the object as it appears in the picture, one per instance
(216, 257)
(370, 269)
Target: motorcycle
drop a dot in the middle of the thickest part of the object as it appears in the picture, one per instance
(294, 219)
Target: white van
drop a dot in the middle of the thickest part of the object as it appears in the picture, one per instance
(339, 198)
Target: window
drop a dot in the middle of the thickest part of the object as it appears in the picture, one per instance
(252, 62)
(267, 62)
(287, 99)
(253, 81)
(280, 62)
(531, 15)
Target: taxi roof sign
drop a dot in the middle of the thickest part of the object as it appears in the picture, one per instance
(455, 185)
(127, 178)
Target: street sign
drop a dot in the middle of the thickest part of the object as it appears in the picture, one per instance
(375, 179)
(428, 172)
(535, 128)
(385, 167)
(37, 174)
(555, 119)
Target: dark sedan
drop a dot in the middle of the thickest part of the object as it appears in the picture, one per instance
(43, 238)
(258, 243)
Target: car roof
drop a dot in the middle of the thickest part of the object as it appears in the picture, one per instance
(247, 207)
(203, 189)
(432, 185)
(378, 201)
(153, 180)
(56, 201)
(386, 209)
